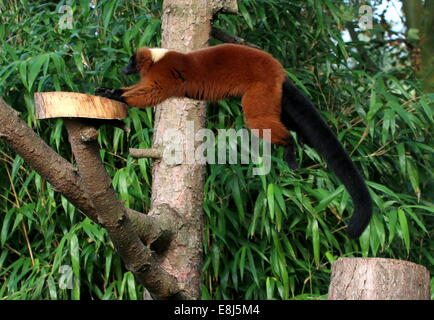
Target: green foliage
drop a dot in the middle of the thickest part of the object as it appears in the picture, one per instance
(291, 225)
(40, 230)
(266, 237)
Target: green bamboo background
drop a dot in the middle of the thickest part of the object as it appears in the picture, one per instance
(266, 237)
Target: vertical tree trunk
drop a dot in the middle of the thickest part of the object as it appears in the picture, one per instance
(186, 27)
(420, 19)
(378, 279)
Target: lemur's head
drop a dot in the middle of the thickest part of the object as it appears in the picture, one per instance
(143, 60)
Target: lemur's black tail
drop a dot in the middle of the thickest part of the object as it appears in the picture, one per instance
(299, 115)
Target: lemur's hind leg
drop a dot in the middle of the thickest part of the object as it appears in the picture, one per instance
(262, 107)
(290, 155)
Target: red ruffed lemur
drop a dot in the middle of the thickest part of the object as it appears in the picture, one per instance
(269, 101)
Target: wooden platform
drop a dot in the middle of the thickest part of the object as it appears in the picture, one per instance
(60, 104)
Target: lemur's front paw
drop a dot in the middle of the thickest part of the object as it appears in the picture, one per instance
(114, 94)
(102, 91)
(107, 91)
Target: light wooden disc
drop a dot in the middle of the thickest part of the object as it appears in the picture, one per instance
(77, 105)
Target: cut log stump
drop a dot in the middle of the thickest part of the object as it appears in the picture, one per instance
(378, 279)
(77, 105)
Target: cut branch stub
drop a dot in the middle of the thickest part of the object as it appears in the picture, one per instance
(77, 105)
(154, 153)
(378, 279)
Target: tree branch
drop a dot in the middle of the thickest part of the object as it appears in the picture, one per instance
(65, 178)
(43, 159)
(369, 64)
(146, 153)
(413, 11)
(224, 37)
(112, 215)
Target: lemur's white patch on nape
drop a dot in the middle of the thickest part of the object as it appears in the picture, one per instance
(157, 53)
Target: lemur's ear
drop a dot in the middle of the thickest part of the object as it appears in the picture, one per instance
(157, 53)
(131, 68)
(143, 60)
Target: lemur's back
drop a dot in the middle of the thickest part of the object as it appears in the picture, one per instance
(268, 98)
(230, 70)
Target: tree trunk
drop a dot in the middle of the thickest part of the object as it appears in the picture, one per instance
(378, 279)
(419, 19)
(186, 27)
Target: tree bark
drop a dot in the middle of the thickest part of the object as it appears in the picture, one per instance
(163, 248)
(89, 189)
(378, 279)
(219, 34)
(112, 215)
(420, 18)
(61, 174)
(186, 26)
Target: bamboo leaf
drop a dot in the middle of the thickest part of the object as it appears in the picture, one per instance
(403, 223)
(23, 73)
(401, 155)
(269, 287)
(36, 68)
(414, 178)
(131, 284)
(315, 241)
(270, 200)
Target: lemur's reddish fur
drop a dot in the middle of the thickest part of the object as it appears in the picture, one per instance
(215, 73)
(269, 99)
